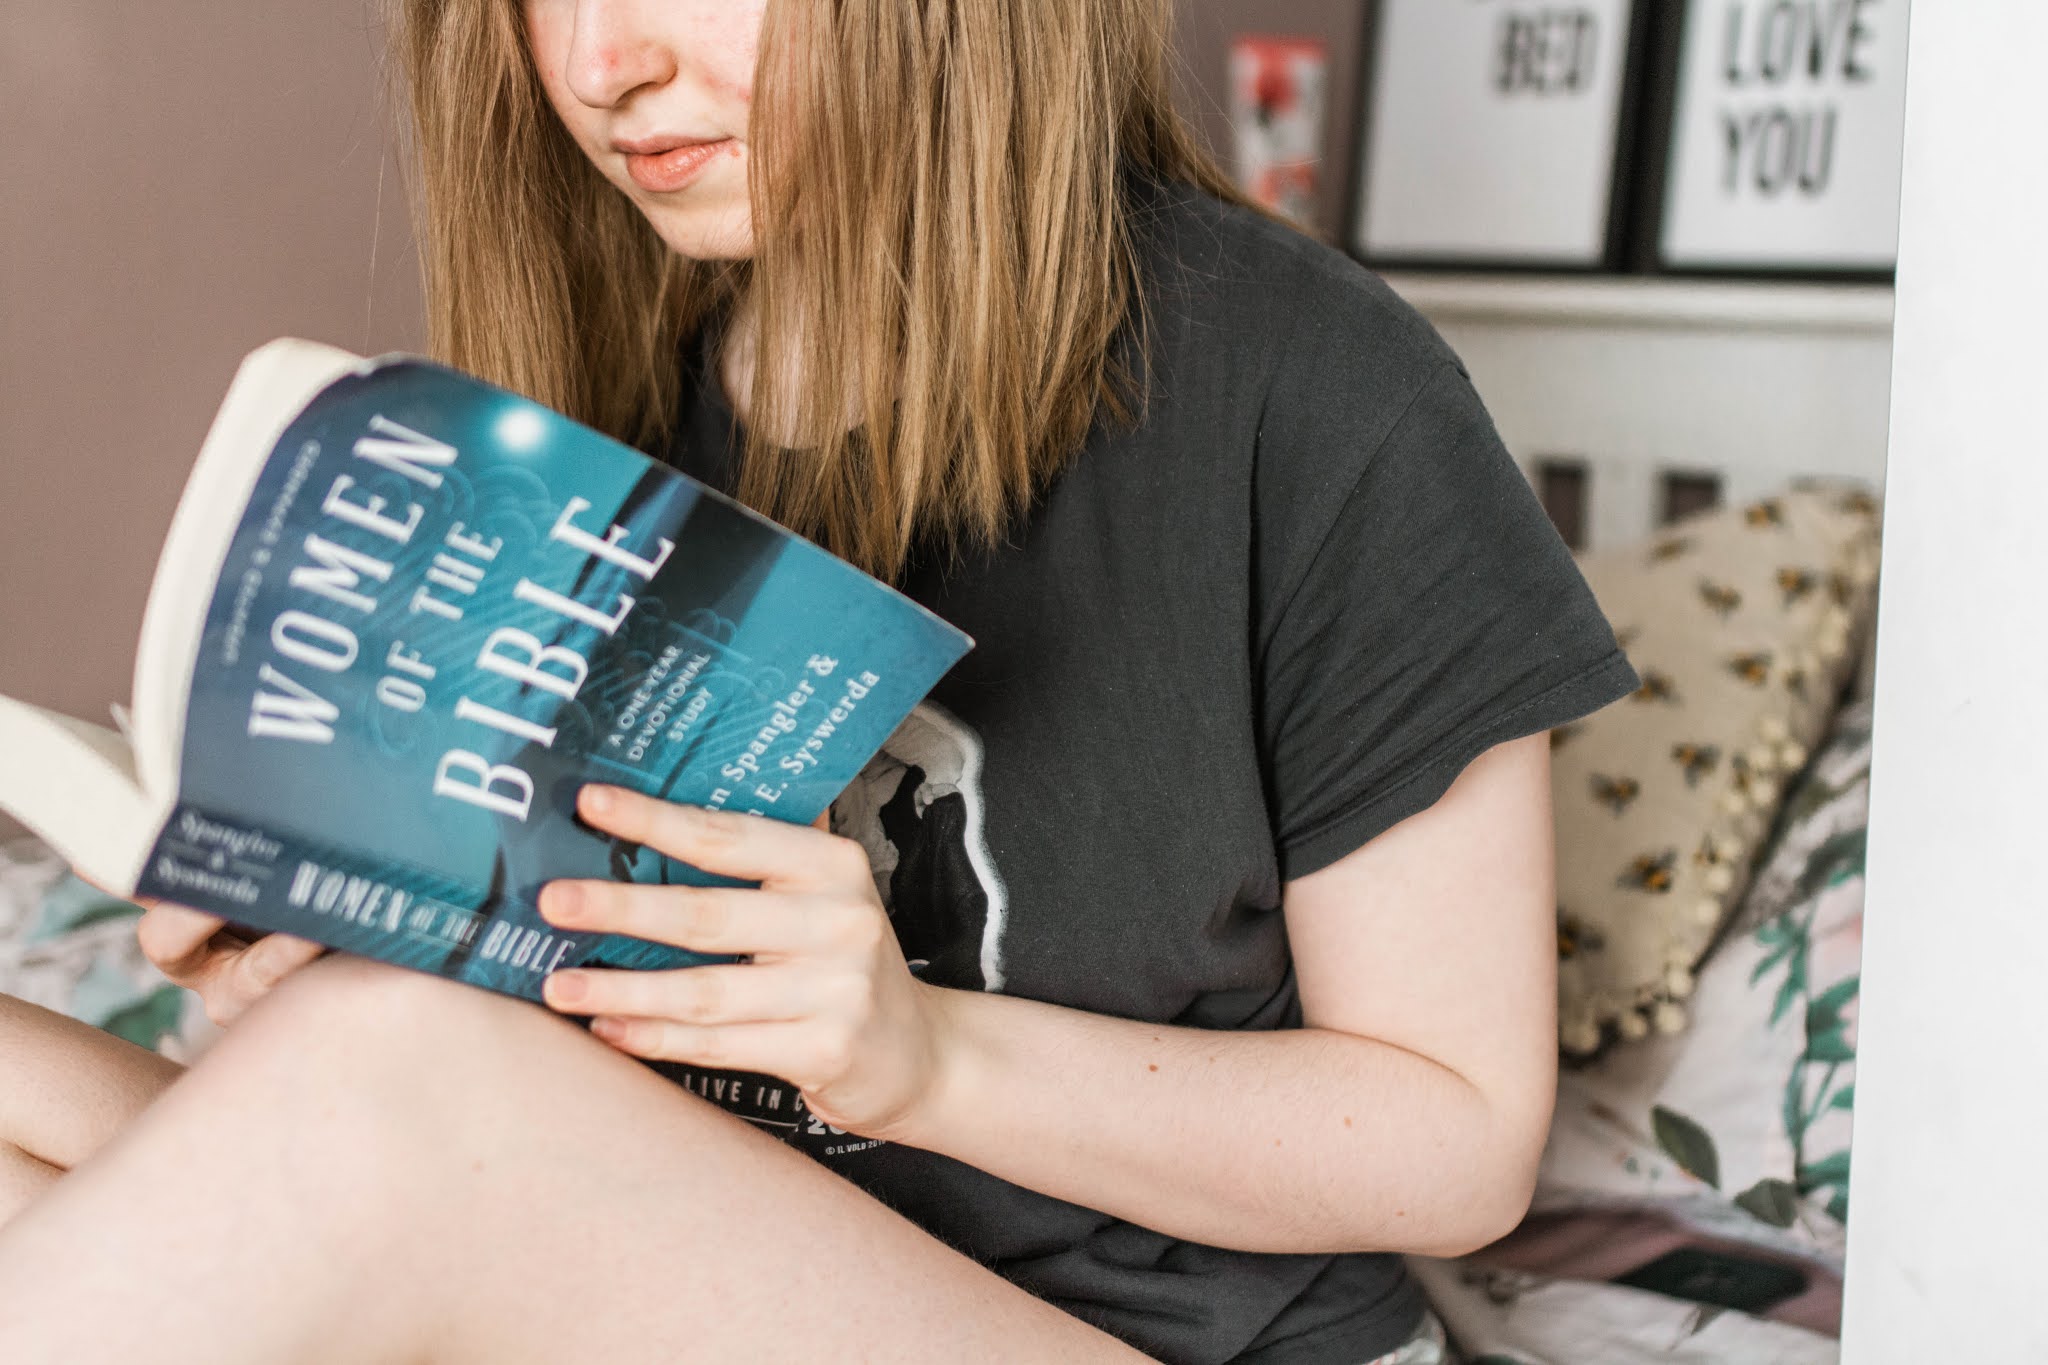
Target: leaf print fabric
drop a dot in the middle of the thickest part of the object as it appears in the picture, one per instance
(1806, 912)
(1727, 1144)
(69, 948)
(1755, 1102)
(1526, 1319)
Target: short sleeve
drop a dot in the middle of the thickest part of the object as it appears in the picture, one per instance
(1415, 607)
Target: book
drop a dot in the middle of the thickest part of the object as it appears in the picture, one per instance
(400, 619)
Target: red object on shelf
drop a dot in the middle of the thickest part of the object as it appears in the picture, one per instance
(1277, 100)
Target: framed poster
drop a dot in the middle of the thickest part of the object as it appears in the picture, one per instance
(1496, 132)
(1276, 120)
(1787, 137)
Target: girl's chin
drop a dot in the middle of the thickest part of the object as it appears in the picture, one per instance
(706, 235)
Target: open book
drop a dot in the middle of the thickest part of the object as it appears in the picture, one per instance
(401, 618)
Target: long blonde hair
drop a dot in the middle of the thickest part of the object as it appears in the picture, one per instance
(943, 249)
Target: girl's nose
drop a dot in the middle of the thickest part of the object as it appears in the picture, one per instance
(613, 53)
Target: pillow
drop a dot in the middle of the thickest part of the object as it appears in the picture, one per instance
(1511, 1317)
(1796, 950)
(1743, 623)
(1650, 1248)
(1738, 1128)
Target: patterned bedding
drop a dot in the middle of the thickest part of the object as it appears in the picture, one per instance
(1691, 1198)
(69, 948)
(1511, 1317)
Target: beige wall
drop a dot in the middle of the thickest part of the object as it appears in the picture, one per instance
(179, 182)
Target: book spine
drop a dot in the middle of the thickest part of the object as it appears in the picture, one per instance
(274, 881)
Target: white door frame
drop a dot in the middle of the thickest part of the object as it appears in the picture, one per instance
(1948, 1202)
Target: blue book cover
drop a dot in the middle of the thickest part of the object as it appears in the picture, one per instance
(443, 611)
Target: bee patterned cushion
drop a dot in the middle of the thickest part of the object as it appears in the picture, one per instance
(1744, 624)
(1738, 1130)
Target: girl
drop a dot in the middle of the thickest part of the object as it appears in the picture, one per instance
(1186, 959)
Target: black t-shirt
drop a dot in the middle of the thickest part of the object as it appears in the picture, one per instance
(1226, 649)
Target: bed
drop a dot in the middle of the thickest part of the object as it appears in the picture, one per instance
(1692, 1198)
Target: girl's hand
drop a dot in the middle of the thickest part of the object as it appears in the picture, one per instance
(229, 972)
(827, 1002)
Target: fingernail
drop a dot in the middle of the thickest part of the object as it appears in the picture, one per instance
(597, 800)
(611, 1030)
(560, 902)
(565, 988)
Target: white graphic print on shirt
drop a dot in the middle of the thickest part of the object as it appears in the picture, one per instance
(917, 809)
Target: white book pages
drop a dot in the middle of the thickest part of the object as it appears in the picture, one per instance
(74, 784)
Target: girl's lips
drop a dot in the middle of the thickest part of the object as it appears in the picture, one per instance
(666, 172)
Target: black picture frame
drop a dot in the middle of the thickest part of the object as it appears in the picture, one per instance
(1625, 204)
(1646, 252)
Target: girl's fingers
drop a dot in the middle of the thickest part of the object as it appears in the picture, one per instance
(708, 919)
(271, 959)
(178, 941)
(233, 979)
(190, 948)
(776, 854)
(712, 995)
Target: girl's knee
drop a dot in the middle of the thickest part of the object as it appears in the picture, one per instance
(361, 1042)
(349, 1073)
(349, 1011)
(421, 1051)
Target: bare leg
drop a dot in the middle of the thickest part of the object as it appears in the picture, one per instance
(377, 1166)
(65, 1088)
(22, 1178)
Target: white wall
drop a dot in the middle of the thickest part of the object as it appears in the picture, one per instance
(1633, 378)
(1948, 1201)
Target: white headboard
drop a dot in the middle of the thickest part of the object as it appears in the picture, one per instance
(1630, 381)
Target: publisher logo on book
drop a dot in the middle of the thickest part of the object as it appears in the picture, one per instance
(222, 860)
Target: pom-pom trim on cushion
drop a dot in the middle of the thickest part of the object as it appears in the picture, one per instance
(1743, 623)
